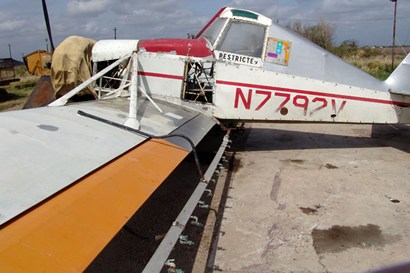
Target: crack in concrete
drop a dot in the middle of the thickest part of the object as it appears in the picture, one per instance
(321, 257)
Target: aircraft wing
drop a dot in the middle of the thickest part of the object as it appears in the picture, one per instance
(70, 182)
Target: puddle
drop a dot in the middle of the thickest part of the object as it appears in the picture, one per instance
(341, 238)
(277, 181)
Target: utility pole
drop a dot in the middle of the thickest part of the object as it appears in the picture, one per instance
(115, 33)
(12, 63)
(394, 35)
(45, 13)
(10, 51)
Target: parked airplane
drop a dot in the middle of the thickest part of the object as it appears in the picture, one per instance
(76, 173)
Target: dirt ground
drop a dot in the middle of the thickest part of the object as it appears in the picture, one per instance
(318, 198)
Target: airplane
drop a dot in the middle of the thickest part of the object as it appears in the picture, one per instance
(75, 172)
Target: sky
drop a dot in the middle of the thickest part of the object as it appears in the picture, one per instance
(22, 26)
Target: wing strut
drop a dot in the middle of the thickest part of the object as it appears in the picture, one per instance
(132, 114)
(64, 99)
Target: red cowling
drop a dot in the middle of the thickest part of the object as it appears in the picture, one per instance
(183, 47)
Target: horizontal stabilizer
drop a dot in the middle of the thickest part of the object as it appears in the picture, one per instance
(399, 80)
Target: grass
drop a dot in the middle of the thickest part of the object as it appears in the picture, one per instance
(379, 66)
(17, 92)
(375, 61)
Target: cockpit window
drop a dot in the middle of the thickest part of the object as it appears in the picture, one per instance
(243, 38)
(213, 31)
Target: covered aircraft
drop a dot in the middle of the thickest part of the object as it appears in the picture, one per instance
(70, 165)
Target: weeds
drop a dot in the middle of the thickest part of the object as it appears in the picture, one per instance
(374, 61)
(15, 94)
(379, 66)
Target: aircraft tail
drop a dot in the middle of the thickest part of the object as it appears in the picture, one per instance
(399, 80)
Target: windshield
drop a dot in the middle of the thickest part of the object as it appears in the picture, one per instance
(213, 31)
(243, 38)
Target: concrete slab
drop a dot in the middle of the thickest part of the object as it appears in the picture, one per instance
(312, 198)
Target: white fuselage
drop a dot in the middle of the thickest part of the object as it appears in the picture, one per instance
(242, 92)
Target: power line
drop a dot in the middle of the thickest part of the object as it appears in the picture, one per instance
(344, 20)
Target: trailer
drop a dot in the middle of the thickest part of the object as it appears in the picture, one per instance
(7, 72)
(38, 62)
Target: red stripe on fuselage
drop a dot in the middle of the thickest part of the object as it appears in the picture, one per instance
(314, 93)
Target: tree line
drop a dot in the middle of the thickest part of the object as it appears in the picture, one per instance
(322, 34)
(372, 60)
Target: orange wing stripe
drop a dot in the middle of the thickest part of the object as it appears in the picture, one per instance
(65, 233)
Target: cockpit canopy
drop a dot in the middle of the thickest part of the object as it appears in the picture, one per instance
(239, 32)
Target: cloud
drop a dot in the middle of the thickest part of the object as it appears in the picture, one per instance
(87, 7)
(8, 23)
(11, 25)
(156, 18)
(153, 6)
(158, 24)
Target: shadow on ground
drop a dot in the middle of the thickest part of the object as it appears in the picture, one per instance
(396, 136)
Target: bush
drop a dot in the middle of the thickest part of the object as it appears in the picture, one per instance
(321, 33)
(347, 49)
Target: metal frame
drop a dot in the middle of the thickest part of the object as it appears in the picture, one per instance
(201, 78)
(64, 99)
(132, 67)
(157, 261)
